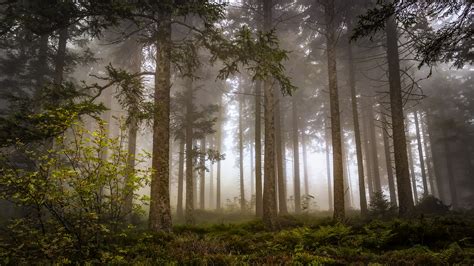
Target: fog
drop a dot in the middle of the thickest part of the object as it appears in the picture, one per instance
(177, 111)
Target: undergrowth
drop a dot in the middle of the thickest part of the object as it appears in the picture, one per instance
(303, 240)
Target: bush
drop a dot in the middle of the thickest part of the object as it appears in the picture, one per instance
(431, 205)
(73, 197)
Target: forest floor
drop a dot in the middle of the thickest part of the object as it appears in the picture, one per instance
(233, 238)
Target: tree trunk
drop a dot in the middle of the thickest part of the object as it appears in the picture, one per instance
(280, 149)
(305, 164)
(296, 158)
(202, 178)
(396, 106)
(429, 161)
(412, 171)
(211, 177)
(132, 147)
(135, 66)
(355, 120)
(331, 36)
(258, 149)
(368, 161)
(388, 160)
(436, 159)
(241, 155)
(252, 174)
(373, 144)
(179, 209)
(189, 206)
(219, 147)
(60, 61)
(160, 211)
(449, 166)
(420, 154)
(328, 165)
(269, 203)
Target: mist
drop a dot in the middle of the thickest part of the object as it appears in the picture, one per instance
(192, 120)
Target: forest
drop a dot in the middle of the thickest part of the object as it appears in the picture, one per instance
(236, 132)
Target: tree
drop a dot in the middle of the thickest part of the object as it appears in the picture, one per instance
(398, 127)
(160, 209)
(269, 204)
(331, 41)
(355, 119)
(420, 155)
(296, 160)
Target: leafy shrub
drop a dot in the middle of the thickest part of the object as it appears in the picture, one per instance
(74, 197)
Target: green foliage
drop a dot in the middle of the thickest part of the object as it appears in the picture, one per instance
(431, 205)
(380, 207)
(72, 196)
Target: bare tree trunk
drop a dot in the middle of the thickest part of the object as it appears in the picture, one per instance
(296, 158)
(449, 166)
(331, 37)
(436, 159)
(241, 156)
(396, 106)
(132, 147)
(258, 149)
(269, 203)
(202, 179)
(179, 209)
(189, 206)
(412, 168)
(305, 164)
(420, 154)
(60, 61)
(355, 120)
(373, 144)
(219, 147)
(211, 177)
(412, 172)
(368, 161)
(280, 149)
(429, 161)
(252, 174)
(160, 211)
(388, 160)
(328, 165)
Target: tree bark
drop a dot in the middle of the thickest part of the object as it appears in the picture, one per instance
(331, 38)
(429, 161)
(368, 161)
(373, 144)
(211, 177)
(396, 106)
(219, 147)
(388, 160)
(60, 61)
(202, 177)
(280, 162)
(189, 206)
(420, 154)
(269, 203)
(179, 209)
(305, 164)
(328, 165)
(412, 171)
(449, 166)
(296, 157)
(160, 211)
(355, 120)
(241, 156)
